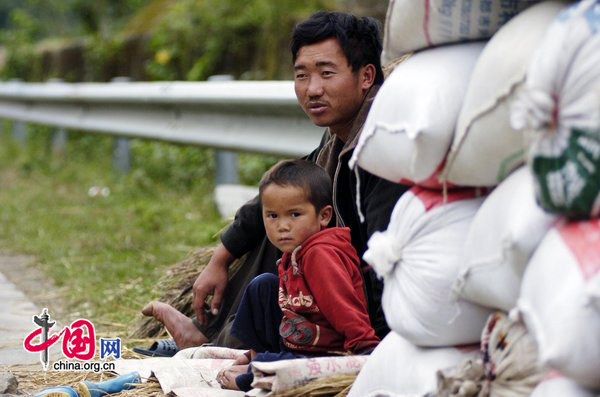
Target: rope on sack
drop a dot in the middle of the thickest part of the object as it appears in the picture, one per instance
(382, 254)
(507, 367)
(534, 109)
(361, 217)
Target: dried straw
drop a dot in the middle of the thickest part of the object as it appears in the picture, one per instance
(389, 68)
(33, 381)
(337, 386)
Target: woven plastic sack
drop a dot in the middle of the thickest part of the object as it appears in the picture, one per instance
(560, 108)
(504, 234)
(556, 385)
(410, 126)
(416, 24)
(397, 368)
(418, 257)
(507, 366)
(559, 300)
(486, 148)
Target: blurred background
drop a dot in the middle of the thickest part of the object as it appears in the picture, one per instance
(149, 40)
(104, 238)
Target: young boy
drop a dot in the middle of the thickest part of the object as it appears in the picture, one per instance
(317, 305)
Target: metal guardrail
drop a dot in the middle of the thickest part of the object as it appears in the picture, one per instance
(262, 117)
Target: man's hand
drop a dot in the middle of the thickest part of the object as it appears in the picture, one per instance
(211, 281)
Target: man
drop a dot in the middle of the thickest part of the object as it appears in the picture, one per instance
(337, 73)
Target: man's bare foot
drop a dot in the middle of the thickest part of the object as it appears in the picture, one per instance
(181, 328)
(226, 376)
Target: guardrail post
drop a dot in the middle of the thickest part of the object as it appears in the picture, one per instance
(17, 126)
(121, 155)
(226, 172)
(121, 152)
(226, 161)
(59, 142)
(18, 132)
(59, 136)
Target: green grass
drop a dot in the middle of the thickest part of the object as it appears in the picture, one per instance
(106, 252)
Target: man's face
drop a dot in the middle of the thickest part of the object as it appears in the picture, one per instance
(329, 93)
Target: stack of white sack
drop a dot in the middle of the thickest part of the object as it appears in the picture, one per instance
(486, 148)
(418, 257)
(399, 368)
(413, 25)
(504, 234)
(411, 123)
(560, 301)
(560, 108)
(556, 385)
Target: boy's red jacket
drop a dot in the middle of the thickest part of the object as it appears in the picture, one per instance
(322, 298)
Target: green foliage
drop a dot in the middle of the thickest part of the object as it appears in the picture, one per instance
(251, 167)
(100, 55)
(181, 167)
(106, 251)
(21, 59)
(249, 38)
(189, 39)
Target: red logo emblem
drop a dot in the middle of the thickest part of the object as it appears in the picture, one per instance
(79, 339)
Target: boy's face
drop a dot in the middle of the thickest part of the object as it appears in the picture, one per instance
(289, 217)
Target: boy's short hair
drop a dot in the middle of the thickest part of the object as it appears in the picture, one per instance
(359, 38)
(303, 174)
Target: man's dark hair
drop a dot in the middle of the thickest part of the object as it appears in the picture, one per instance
(304, 174)
(359, 37)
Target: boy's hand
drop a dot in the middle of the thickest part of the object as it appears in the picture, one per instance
(211, 281)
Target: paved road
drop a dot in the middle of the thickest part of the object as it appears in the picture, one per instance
(16, 312)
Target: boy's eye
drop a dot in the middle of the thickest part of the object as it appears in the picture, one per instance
(271, 216)
(296, 214)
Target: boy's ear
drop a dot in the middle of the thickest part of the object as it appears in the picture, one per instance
(325, 216)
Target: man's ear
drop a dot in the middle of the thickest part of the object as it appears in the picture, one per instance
(367, 76)
(325, 216)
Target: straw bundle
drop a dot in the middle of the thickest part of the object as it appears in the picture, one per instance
(337, 386)
(177, 285)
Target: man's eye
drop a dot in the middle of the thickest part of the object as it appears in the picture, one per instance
(300, 75)
(327, 73)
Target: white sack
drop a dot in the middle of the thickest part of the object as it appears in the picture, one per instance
(557, 300)
(560, 108)
(556, 385)
(400, 369)
(410, 126)
(486, 148)
(418, 257)
(412, 25)
(504, 234)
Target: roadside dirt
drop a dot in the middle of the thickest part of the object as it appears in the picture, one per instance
(39, 288)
